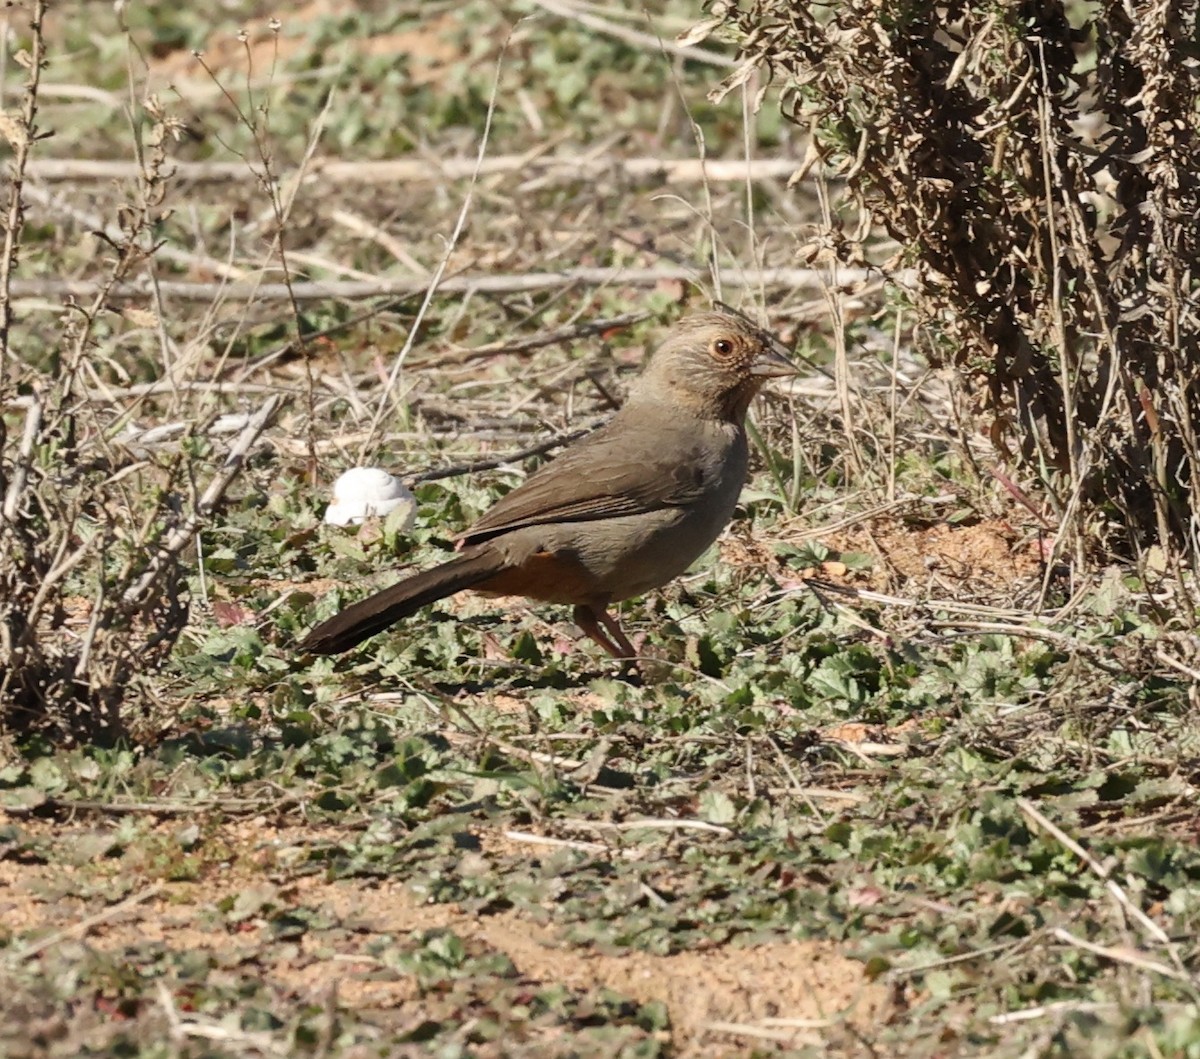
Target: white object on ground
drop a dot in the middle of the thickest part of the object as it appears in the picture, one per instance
(365, 491)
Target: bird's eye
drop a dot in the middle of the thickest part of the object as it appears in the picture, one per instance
(722, 347)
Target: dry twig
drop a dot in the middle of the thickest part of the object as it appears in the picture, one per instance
(791, 278)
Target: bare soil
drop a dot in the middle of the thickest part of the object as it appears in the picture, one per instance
(714, 996)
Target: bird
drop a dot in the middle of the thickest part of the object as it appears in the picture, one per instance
(619, 512)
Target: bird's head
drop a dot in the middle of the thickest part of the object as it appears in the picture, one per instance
(712, 364)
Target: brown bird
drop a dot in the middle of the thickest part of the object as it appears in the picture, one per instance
(623, 510)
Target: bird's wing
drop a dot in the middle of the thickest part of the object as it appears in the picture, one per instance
(613, 472)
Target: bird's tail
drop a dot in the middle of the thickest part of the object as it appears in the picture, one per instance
(375, 613)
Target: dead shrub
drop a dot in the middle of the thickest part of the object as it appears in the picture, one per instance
(1039, 165)
(93, 529)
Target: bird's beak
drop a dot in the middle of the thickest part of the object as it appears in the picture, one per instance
(772, 364)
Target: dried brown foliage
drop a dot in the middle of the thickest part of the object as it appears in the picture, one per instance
(1039, 163)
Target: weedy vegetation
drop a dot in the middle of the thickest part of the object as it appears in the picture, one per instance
(916, 770)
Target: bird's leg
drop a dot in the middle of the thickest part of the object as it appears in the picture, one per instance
(617, 633)
(597, 624)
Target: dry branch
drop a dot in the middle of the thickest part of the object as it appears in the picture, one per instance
(515, 283)
(21, 135)
(549, 169)
(637, 38)
(83, 926)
